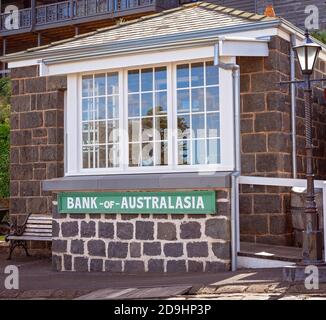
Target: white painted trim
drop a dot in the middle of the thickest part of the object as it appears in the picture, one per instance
(256, 263)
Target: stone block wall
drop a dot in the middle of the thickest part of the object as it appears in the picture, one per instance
(266, 138)
(36, 139)
(143, 243)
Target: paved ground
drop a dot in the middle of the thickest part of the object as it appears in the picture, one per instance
(37, 281)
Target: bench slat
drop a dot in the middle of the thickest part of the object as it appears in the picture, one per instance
(30, 238)
(38, 230)
(35, 216)
(40, 221)
(39, 226)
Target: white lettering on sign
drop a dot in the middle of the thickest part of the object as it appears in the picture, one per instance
(81, 203)
(162, 203)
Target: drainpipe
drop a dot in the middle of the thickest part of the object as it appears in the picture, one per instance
(293, 109)
(235, 241)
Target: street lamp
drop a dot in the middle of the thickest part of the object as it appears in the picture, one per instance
(307, 54)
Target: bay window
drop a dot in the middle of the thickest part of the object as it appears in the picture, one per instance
(160, 118)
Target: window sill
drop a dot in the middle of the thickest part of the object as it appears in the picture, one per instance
(158, 181)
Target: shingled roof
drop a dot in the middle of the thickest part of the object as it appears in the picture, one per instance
(187, 19)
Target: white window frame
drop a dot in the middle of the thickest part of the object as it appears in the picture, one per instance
(73, 125)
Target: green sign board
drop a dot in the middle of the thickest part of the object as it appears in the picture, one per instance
(194, 202)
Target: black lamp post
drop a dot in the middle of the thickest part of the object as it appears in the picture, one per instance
(307, 54)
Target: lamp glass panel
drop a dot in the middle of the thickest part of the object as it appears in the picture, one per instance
(301, 57)
(312, 52)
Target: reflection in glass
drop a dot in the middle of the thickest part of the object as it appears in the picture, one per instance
(199, 151)
(161, 103)
(212, 74)
(147, 129)
(161, 158)
(198, 126)
(147, 104)
(133, 105)
(183, 76)
(100, 109)
(184, 156)
(161, 126)
(102, 157)
(113, 107)
(134, 130)
(133, 81)
(113, 156)
(197, 74)
(87, 106)
(197, 100)
(213, 125)
(160, 78)
(184, 127)
(87, 86)
(147, 80)
(183, 101)
(214, 151)
(147, 154)
(113, 131)
(212, 99)
(113, 83)
(134, 154)
(99, 81)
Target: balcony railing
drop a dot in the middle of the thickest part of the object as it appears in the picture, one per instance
(74, 10)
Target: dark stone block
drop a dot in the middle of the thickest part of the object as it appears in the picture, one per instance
(217, 267)
(197, 249)
(263, 82)
(190, 230)
(67, 262)
(21, 138)
(135, 250)
(56, 263)
(173, 250)
(254, 224)
(38, 205)
(48, 153)
(96, 265)
(166, 231)
(176, 266)
(156, 266)
(218, 229)
(24, 72)
(152, 249)
(125, 231)
(246, 202)
(268, 121)
(77, 246)
(105, 230)
(54, 83)
(77, 216)
(252, 143)
(96, 248)
(30, 188)
(87, 229)
(254, 102)
(222, 250)
(35, 85)
(81, 264)
(59, 246)
(117, 250)
(133, 267)
(69, 229)
(267, 203)
(113, 266)
(21, 103)
(195, 266)
(30, 120)
(144, 230)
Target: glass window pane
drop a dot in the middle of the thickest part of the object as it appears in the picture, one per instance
(87, 153)
(199, 151)
(146, 104)
(134, 154)
(183, 76)
(113, 156)
(183, 101)
(85, 129)
(113, 107)
(113, 131)
(212, 74)
(198, 126)
(184, 127)
(161, 103)
(160, 78)
(134, 130)
(213, 125)
(100, 108)
(99, 132)
(133, 81)
(99, 85)
(113, 83)
(161, 158)
(161, 126)
(147, 155)
(102, 157)
(212, 99)
(197, 100)
(133, 105)
(197, 74)
(184, 149)
(214, 151)
(147, 80)
(87, 106)
(87, 84)
(147, 129)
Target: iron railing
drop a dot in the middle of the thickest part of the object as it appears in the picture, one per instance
(59, 12)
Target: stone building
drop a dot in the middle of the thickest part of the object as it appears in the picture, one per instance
(128, 137)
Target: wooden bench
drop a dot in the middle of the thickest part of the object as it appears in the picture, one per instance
(34, 228)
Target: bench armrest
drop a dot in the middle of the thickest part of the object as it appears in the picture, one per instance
(17, 230)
